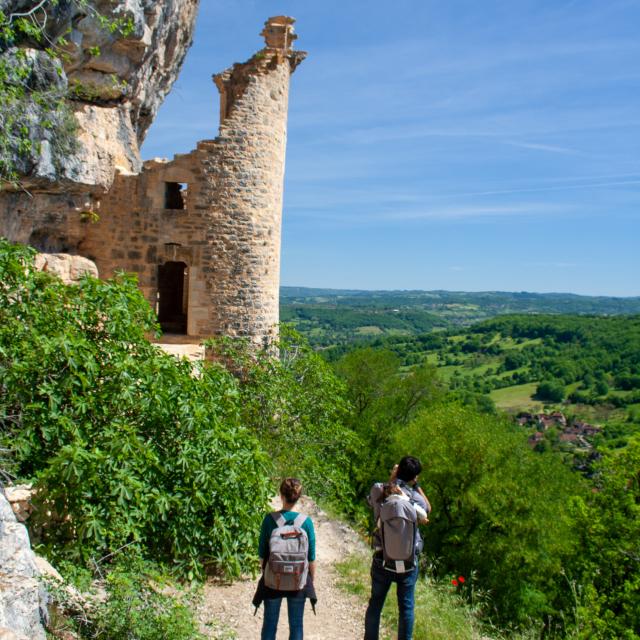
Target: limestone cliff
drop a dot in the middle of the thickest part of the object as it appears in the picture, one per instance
(114, 77)
(22, 597)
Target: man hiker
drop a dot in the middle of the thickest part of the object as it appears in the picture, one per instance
(398, 507)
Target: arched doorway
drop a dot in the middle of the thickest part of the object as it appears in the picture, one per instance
(173, 296)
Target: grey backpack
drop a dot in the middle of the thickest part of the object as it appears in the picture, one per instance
(288, 564)
(398, 526)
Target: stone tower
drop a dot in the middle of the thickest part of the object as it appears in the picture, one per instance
(246, 182)
(202, 231)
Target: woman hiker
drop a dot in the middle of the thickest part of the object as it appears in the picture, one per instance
(287, 549)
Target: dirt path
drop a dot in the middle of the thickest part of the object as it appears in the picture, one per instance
(339, 615)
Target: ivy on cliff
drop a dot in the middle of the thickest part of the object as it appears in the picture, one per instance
(36, 121)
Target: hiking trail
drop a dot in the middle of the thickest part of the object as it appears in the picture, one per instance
(340, 616)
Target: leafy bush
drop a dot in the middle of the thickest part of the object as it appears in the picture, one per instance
(140, 603)
(499, 510)
(551, 390)
(296, 407)
(609, 538)
(126, 444)
(383, 398)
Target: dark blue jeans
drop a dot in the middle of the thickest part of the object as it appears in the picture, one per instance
(381, 581)
(295, 609)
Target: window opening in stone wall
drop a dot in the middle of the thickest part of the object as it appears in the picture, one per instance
(173, 297)
(175, 195)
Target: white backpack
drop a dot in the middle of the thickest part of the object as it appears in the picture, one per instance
(288, 564)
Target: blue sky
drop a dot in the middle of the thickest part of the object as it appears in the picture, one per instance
(447, 144)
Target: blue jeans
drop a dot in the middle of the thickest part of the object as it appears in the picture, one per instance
(295, 609)
(381, 580)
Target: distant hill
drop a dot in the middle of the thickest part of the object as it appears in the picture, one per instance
(503, 301)
(337, 316)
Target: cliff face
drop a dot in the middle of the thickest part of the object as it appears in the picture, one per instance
(113, 76)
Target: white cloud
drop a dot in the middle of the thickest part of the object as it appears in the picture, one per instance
(535, 146)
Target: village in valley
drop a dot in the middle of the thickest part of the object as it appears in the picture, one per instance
(571, 434)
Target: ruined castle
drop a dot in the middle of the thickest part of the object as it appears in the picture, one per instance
(202, 231)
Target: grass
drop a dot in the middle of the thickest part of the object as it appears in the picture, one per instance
(519, 396)
(510, 343)
(220, 631)
(447, 371)
(440, 614)
(370, 330)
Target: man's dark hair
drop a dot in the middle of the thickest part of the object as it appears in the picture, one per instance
(408, 468)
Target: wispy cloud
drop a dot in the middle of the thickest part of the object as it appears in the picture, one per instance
(542, 189)
(535, 146)
(479, 211)
(554, 265)
(389, 213)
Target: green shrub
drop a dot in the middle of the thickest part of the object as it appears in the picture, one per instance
(500, 511)
(551, 390)
(296, 407)
(609, 539)
(383, 398)
(126, 445)
(139, 603)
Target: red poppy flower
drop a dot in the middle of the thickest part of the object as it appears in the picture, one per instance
(461, 579)
(454, 582)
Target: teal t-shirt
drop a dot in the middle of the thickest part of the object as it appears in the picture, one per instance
(269, 524)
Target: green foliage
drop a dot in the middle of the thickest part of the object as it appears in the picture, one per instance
(383, 399)
(499, 510)
(609, 526)
(550, 390)
(127, 445)
(141, 604)
(296, 407)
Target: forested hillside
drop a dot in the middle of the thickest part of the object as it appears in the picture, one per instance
(586, 368)
(329, 316)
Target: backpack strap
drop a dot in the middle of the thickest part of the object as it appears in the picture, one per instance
(300, 520)
(279, 518)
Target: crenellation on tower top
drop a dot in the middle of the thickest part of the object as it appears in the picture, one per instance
(279, 33)
(279, 36)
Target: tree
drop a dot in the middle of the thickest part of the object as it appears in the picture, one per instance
(296, 406)
(384, 398)
(551, 390)
(609, 527)
(499, 509)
